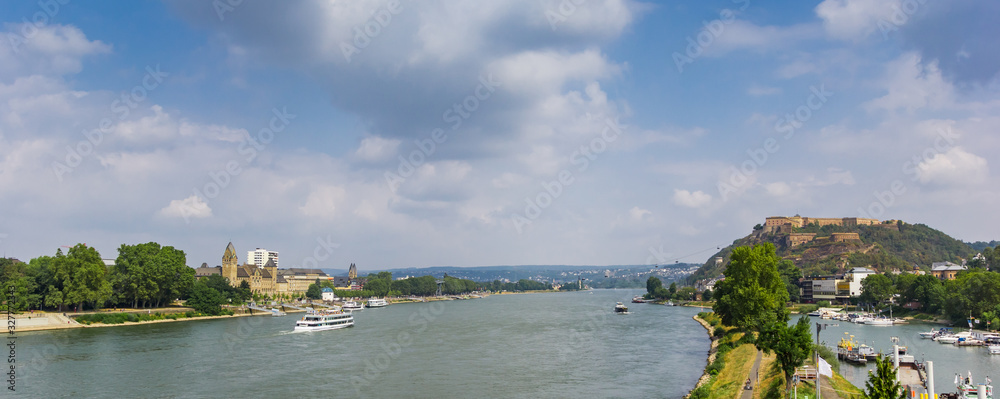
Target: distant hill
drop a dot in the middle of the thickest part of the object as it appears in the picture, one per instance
(895, 246)
(557, 273)
(981, 245)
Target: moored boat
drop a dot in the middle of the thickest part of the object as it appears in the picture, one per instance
(377, 302)
(352, 306)
(638, 299)
(325, 320)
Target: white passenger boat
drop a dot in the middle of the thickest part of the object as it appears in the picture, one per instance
(352, 306)
(325, 320)
(377, 302)
(994, 349)
(879, 321)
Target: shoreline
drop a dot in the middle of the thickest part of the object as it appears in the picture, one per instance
(705, 376)
(57, 319)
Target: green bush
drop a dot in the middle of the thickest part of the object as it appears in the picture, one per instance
(700, 393)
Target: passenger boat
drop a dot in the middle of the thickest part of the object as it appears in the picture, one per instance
(620, 308)
(352, 306)
(878, 321)
(377, 302)
(325, 320)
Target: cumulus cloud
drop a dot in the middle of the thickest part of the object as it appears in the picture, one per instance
(954, 167)
(49, 49)
(690, 199)
(190, 207)
(854, 19)
(377, 149)
(637, 213)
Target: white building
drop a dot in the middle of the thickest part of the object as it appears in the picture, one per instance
(328, 295)
(851, 285)
(260, 256)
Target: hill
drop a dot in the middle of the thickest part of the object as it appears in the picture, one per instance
(833, 249)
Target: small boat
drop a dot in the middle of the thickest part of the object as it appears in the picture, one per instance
(994, 349)
(968, 389)
(620, 308)
(325, 320)
(670, 303)
(352, 306)
(377, 302)
(277, 313)
(638, 299)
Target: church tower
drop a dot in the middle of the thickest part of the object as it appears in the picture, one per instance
(229, 264)
(352, 272)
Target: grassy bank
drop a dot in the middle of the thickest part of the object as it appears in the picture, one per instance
(734, 357)
(121, 318)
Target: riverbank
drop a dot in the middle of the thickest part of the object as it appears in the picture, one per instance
(731, 363)
(45, 321)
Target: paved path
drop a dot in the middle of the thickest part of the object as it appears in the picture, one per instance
(748, 394)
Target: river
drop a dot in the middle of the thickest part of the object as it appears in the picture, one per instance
(512, 346)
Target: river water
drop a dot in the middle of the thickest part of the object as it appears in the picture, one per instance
(512, 346)
(948, 359)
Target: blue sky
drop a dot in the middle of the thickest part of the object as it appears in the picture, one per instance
(462, 133)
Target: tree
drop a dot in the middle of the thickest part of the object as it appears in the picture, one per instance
(791, 275)
(876, 288)
(81, 277)
(206, 299)
(790, 344)
(652, 283)
(314, 292)
(673, 288)
(707, 295)
(752, 295)
(882, 383)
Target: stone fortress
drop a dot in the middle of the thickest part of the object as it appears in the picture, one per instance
(785, 225)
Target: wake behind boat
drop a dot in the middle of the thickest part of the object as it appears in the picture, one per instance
(325, 320)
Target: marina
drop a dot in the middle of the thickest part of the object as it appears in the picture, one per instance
(949, 360)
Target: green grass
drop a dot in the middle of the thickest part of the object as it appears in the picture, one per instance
(121, 318)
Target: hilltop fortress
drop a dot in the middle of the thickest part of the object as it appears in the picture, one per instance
(785, 225)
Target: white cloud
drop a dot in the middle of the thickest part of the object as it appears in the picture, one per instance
(190, 207)
(778, 189)
(637, 213)
(745, 35)
(854, 19)
(51, 49)
(323, 202)
(377, 149)
(913, 85)
(690, 199)
(955, 167)
(758, 90)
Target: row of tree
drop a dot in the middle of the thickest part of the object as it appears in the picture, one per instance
(655, 290)
(975, 293)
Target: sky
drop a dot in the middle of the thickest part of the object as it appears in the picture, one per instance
(471, 133)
